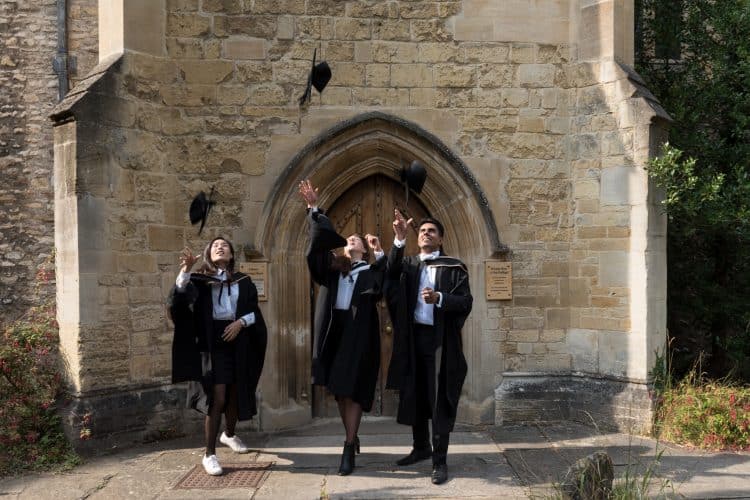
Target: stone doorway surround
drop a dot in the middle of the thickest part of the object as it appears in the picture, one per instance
(368, 144)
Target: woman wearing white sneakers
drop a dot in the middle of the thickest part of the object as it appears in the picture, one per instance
(219, 343)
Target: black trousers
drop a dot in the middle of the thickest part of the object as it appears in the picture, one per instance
(426, 392)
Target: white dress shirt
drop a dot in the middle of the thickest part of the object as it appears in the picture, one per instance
(225, 306)
(348, 282)
(424, 312)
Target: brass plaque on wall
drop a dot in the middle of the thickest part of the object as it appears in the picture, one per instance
(498, 280)
(258, 271)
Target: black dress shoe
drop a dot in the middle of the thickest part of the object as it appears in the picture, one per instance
(415, 456)
(439, 474)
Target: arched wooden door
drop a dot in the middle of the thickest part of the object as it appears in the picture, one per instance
(368, 208)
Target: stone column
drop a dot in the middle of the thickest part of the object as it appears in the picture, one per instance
(135, 25)
(605, 30)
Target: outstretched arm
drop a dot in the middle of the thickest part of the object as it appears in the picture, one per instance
(318, 258)
(396, 255)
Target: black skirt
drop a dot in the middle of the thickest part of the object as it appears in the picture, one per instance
(223, 358)
(355, 363)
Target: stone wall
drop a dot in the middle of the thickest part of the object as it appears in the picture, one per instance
(83, 38)
(28, 91)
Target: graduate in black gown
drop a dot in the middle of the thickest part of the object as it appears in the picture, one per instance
(429, 300)
(346, 357)
(219, 343)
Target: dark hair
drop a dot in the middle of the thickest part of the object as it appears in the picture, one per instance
(208, 266)
(366, 255)
(430, 220)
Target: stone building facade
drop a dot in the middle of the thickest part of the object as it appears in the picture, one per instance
(535, 132)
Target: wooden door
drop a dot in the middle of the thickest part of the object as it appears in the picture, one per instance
(368, 208)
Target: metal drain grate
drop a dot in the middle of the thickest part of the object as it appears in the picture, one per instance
(236, 475)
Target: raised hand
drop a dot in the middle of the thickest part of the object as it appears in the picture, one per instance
(400, 225)
(309, 193)
(187, 260)
(373, 242)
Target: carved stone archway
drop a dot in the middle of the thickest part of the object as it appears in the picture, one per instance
(369, 144)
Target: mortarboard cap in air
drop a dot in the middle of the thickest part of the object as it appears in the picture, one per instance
(414, 176)
(199, 208)
(320, 75)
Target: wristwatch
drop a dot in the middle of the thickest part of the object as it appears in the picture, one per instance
(242, 320)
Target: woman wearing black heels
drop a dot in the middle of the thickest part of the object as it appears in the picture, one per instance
(346, 358)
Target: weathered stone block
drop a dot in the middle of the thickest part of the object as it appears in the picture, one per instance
(340, 51)
(411, 75)
(188, 95)
(244, 48)
(369, 9)
(222, 6)
(475, 29)
(352, 29)
(268, 95)
(255, 72)
(278, 6)
(349, 74)
(430, 30)
(204, 71)
(536, 75)
(337, 96)
(148, 317)
(450, 75)
(136, 263)
(326, 8)
(193, 25)
(423, 98)
(391, 29)
(380, 97)
(166, 238)
(394, 52)
(377, 75)
(259, 26)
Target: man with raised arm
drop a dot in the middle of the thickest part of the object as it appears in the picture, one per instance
(429, 299)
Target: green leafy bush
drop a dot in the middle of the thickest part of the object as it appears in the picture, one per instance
(31, 434)
(706, 414)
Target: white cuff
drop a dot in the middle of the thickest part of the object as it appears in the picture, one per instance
(182, 280)
(378, 255)
(399, 243)
(248, 319)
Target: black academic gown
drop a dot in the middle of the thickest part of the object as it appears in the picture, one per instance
(402, 287)
(192, 313)
(345, 361)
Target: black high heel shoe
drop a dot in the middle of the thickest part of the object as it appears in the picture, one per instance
(347, 459)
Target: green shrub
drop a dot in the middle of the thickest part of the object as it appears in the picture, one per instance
(706, 414)
(31, 434)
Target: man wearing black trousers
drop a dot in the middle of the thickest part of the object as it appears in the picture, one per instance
(429, 300)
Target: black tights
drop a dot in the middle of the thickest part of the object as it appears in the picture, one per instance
(351, 416)
(222, 403)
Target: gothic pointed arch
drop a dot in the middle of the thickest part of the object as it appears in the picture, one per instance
(368, 144)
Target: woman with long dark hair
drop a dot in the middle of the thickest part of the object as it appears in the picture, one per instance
(219, 343)
(346, 359)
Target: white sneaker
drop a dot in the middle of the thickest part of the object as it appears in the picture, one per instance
(234, 442)
(211, 464)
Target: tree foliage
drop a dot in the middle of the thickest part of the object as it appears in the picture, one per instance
(695, 57)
